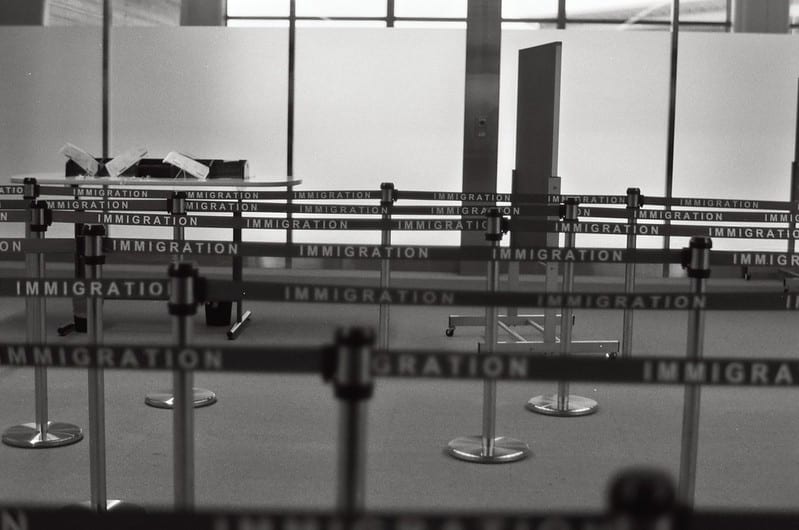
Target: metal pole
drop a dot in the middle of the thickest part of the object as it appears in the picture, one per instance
(562, 403)
(386, 201)
(182, 307)
(202, 397)
(94, 258)
(488, 448)
(42, 432)
(353, 386)
(634, 201)
(696, 259)
(675, 36)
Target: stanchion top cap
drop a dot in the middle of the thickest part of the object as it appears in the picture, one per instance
(355, 336)
(571, 201)
(642, 493)
(387, 186)
(633, 191)
(184, 269)
(179, 194)
(93, 230)
(493, 212)
(701, 242)
(29, 180)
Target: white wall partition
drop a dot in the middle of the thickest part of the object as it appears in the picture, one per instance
(736, 119)
(206, 92)
(50, 85)
(379, 105)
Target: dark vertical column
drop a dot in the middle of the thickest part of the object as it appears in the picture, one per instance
(561, 14)
(390, 17)
(203, 12)
(290, 119)
(675, 35)
(108, 17)
(23, 12)
(481, 116)
(537, 127)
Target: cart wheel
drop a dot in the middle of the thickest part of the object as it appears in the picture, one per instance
(449, 332)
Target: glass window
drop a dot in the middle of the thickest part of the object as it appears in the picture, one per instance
(341, 24)
(794, 13)
(341, 8)
(257, 8)
(430, 8)
(628, 11)
(430, 24)
(527, 25)
(263, 23)
(530, 9)
(633, 11)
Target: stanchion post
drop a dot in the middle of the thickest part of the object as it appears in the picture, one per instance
(353, 387)
(634, 203)
(183, 306)
(562, 403)
(642, 499)
(94, 259)
(42, 432)
(176, 205)
(696, 259)
(387, 199)
(488, 448)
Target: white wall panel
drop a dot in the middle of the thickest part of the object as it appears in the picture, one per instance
(378, 105)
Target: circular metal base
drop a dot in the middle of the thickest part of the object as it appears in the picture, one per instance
(166, 400)
(575, 405)
(470, 449)
(28, 436)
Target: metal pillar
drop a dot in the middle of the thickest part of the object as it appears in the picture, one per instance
(166, 399)
(634, 203)
(696, 258)
(353, 387)
(487, 448)
(182, 307)
(42, 432)
(562, 403)
(388, 197)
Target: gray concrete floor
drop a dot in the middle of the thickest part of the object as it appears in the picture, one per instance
(270, 441)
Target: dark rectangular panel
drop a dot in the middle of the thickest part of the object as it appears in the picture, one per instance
(537, 121)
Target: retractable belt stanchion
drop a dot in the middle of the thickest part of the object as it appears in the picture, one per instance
(634, 203)
(388, 196)
(202, 397)
(643, 499)
(183, 306)
(349, 366)
(696, 259)
(562, 403)
(94, 258)
(242, 316)
(78, 323)
(42, 432)
(488, 448)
